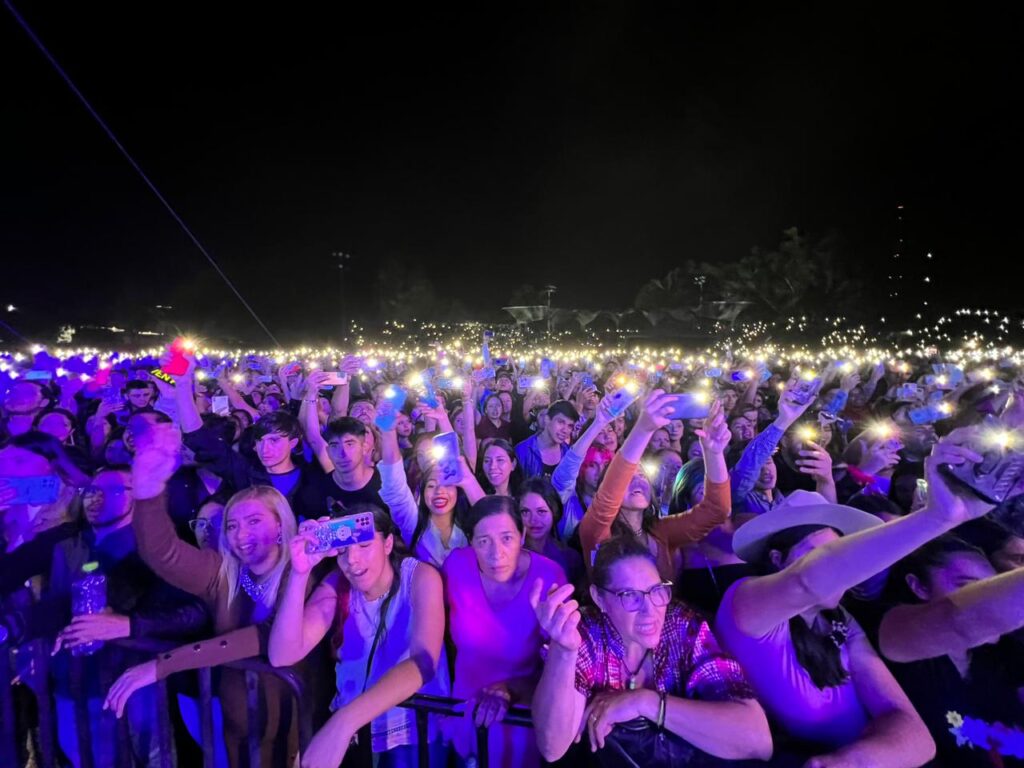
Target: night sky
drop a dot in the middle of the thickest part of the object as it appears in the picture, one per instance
(588, 145)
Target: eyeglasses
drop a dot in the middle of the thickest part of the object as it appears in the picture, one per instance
(96, 490)
(633, 599)
(199, 524)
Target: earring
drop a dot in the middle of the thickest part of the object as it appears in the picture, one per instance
(280, 538)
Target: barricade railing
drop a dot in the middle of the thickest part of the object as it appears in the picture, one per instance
(34, 658)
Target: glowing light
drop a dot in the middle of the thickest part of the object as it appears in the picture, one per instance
(702, 397)
(458, 382)
(650, 468)
(438, 452)
(882, 430)
(415, 380)
(1002, 439)
(238, 378)
(946, 408)
(807, 434)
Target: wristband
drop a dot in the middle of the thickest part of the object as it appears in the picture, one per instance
(661, 710)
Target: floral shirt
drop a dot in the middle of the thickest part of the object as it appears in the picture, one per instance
(687, 661)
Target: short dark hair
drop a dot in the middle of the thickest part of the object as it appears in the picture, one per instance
(489, 506)
(565, 408)
(345, 425)
(278, 422)
(613, 550)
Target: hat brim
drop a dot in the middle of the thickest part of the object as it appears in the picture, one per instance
(751, 540)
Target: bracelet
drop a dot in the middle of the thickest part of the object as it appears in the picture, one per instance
(661, 710)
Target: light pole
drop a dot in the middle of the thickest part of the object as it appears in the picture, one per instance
(549, 289)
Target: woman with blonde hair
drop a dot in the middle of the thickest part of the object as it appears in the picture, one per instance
(240, 583)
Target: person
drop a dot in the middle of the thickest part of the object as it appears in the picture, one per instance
(494, 631)
(139, 605)
(950, 645)
(432, 526)
(492, 423)
(809, 662)
(31, 531)
(346, 476)
(579, 473)
(388, 610)
(541, 453)
(541, 510)
(498, 467)
(239, 583)
(625, 502)
(24, 401)
(637, 664)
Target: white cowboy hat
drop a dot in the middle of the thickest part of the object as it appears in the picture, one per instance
(799, 508)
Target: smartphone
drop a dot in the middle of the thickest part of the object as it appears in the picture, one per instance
(335, 379)
(622, 399)
(996, 476)
(178, 364)
(445, 449)
(713, 373)
(429, 397)
(738, 376)
(805, 391)
(524, 383)
(587, 381)
(35, 490)
(221, 405)
(689, 406)
(112, 398)
(926, 414)
(389, 407)
(160, 373)
(264, 379)
(908, 392)
(484, 374)
(39, 376)
(546, 367)
(340, 532)
(290, 369)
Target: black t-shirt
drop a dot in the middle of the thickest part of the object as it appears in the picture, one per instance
(989, 693)
(322, 493)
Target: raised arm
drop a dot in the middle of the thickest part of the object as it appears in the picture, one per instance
(824, 574)
(557, 704)
(236, 400)
(310, 420)
(299, 624)
(185, 397)
(401, 681)
(469, 443)
(394, 487)
(563, 479)
(157, 453)
(974, 615)
(688, 527)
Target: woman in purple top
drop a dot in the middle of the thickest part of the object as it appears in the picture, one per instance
(494, 630)
(810, 664)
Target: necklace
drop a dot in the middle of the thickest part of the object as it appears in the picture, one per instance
(631, 680)
(254, 589)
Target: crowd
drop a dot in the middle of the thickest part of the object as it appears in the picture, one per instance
(743, 562)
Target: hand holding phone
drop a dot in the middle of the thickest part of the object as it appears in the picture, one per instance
(689, 405)
(338, 533)
(445, 450)
(35, 490)
(389, 407)
(334, 379)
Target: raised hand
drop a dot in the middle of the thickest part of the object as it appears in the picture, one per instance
(157, 456)
(558, 615)
(714, 434)
(816, 462)
(946, 501)
(304, 562)
(656, 412)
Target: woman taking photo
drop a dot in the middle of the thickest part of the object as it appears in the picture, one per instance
(388, 611)
(494, 630)
(239, 583)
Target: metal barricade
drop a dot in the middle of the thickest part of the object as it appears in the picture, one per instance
(35, 656)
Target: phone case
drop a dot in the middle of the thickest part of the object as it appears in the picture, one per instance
(221, 405)
(35, 490)
(341, 532)
(335, 379)
(39, 376)
(687, 406)
(805, 391)
(389, 407)
(994, 477)
(449, 465)
(178, 364)
(621, 400)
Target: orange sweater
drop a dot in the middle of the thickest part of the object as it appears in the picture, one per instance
(669, 533)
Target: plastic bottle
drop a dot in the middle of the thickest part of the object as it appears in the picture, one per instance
(88, 595)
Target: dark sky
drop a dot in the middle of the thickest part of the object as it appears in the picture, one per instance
(590, 145)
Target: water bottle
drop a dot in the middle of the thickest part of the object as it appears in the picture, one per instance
(88, 595)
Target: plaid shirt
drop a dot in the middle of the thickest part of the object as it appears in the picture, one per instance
(687, 662)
